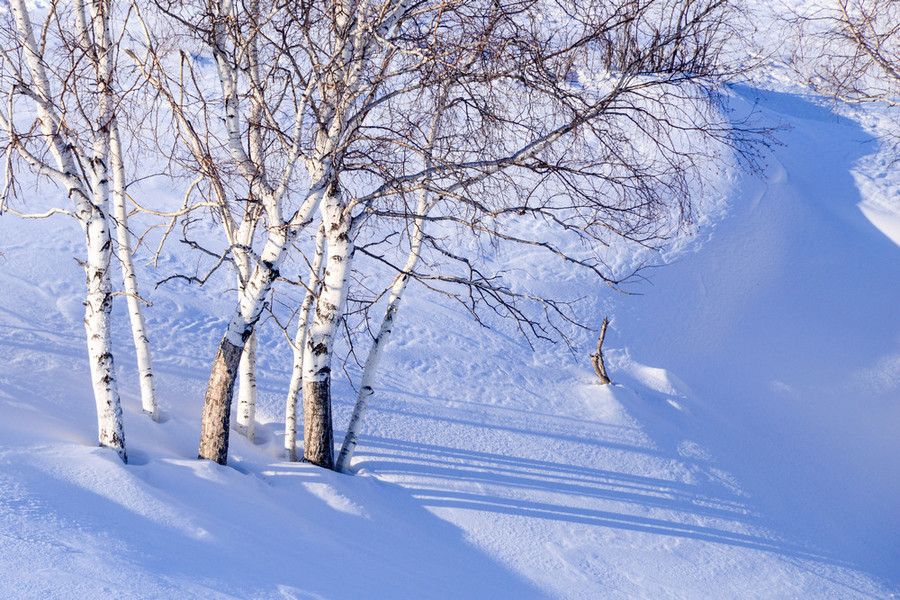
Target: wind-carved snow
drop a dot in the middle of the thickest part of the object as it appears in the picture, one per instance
(886, 220)
(333, 498)
(659, 380)
(879, 187)
(574, 471)
(120, 487)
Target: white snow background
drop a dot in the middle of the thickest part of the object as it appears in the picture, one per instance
(748, 448)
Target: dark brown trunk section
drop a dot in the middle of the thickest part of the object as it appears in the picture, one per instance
(318, 433)
(217, 406)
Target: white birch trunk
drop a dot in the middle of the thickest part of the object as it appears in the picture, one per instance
(220, 390)
(97, 309)
(246, 413)
(132, 293)
(99, 300)
(299, 346)
(366, 390)
(318, 429)
(92, 216)
(251, 166)
(247, 389)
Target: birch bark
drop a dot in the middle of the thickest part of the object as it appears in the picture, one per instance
(246, 411)
(247, 389)
(98, 307)
(132, 293)
(246, 417)
(96, 226)
(220, 389)
(318, 429)
(373, 359)
(90, 210)
(299, 345)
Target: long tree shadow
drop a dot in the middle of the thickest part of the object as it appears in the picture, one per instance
(557, 427)
(443, 477)
(453, 464)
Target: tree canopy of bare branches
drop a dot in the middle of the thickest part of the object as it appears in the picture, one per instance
(850, 50)
(416, 136)
(468, 119)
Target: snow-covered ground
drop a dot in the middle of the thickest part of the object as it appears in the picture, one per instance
(748, 448)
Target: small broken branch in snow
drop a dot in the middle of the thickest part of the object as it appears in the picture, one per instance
(597, 357)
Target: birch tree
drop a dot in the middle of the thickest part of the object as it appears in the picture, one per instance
(65, 80)
(298, 346)
(592, 119)
(376, 350)
(230, 31)
(133, 297)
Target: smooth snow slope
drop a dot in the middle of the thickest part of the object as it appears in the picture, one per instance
(747, 450)
(786, 327)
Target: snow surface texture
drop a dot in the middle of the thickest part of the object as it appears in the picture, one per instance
(748, 448)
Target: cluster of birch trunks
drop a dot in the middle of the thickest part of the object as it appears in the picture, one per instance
(410, 134)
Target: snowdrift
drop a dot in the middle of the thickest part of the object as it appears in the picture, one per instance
(747, 449)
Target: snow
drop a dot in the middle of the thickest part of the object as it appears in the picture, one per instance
(746, 450)
(791, 305)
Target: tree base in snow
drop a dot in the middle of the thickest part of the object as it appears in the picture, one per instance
(318, 432)
(217, 405)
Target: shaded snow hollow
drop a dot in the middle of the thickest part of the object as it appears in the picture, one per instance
(747, 450)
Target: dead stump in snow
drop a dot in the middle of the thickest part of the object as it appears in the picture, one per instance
(597, 357)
